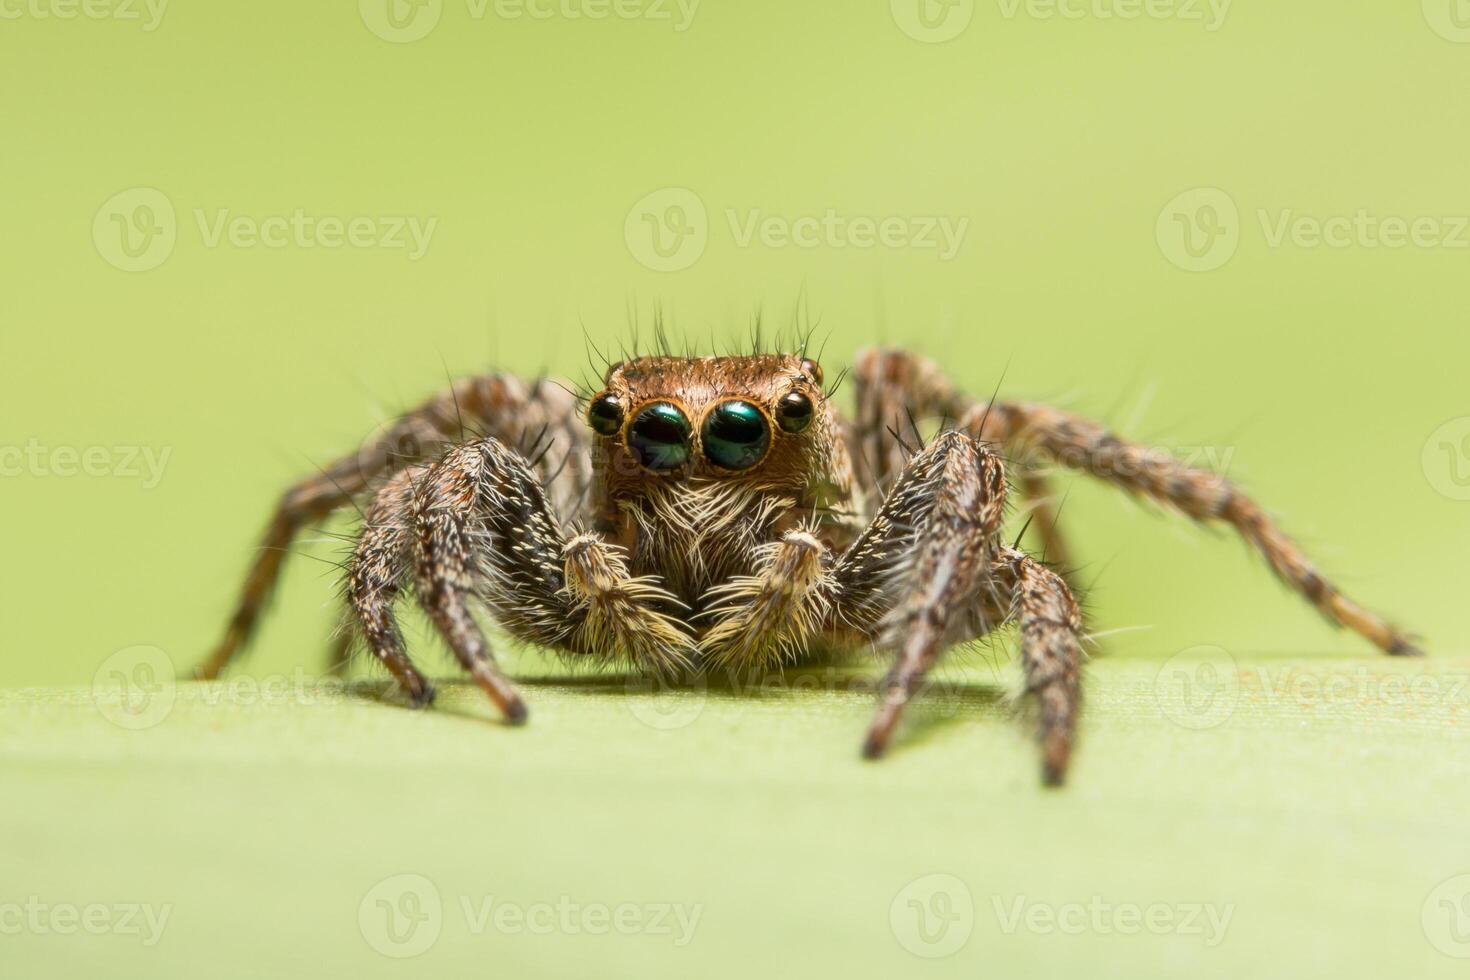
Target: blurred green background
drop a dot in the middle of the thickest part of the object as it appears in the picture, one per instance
(1134, 190)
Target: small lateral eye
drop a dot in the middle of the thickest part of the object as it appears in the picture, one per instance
(812, 369)
(794, 412)
(605, 415)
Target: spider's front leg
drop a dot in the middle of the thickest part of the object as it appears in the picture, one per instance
(894, 386)
(499, 405)
(896, 392)
(929, 572)
(477, 527)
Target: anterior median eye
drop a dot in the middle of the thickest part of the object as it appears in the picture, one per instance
(659, 437)
(794, 412)
(736, 435)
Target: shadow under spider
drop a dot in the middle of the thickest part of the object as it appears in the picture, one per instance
(940, 704)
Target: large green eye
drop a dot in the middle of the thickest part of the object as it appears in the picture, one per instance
(736, 435)
(659, 437)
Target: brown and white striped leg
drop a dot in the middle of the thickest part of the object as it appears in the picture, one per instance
(892, 384)
(465, 517)
(1051, 653)
(304, 503)
(1206, 497)
(477, 527)
(927, 558)
(380, 565)
(498, 405)
(893, 390)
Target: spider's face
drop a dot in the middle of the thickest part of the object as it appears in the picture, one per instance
(761, 420)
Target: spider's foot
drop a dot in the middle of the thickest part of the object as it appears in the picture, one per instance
(417, 693)
(1402, 647)
(515, 711)
(219, 657)
(1056, 754)
(875, 746)
(501, 693)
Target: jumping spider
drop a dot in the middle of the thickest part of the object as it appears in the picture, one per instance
(706, 512)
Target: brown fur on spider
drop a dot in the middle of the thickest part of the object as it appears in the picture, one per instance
(706, 512)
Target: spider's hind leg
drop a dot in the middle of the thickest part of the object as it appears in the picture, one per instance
(1201, 494)
(497, 404)
(894, 387)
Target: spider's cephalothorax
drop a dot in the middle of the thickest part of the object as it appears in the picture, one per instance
(699, 462)
(697, 513)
